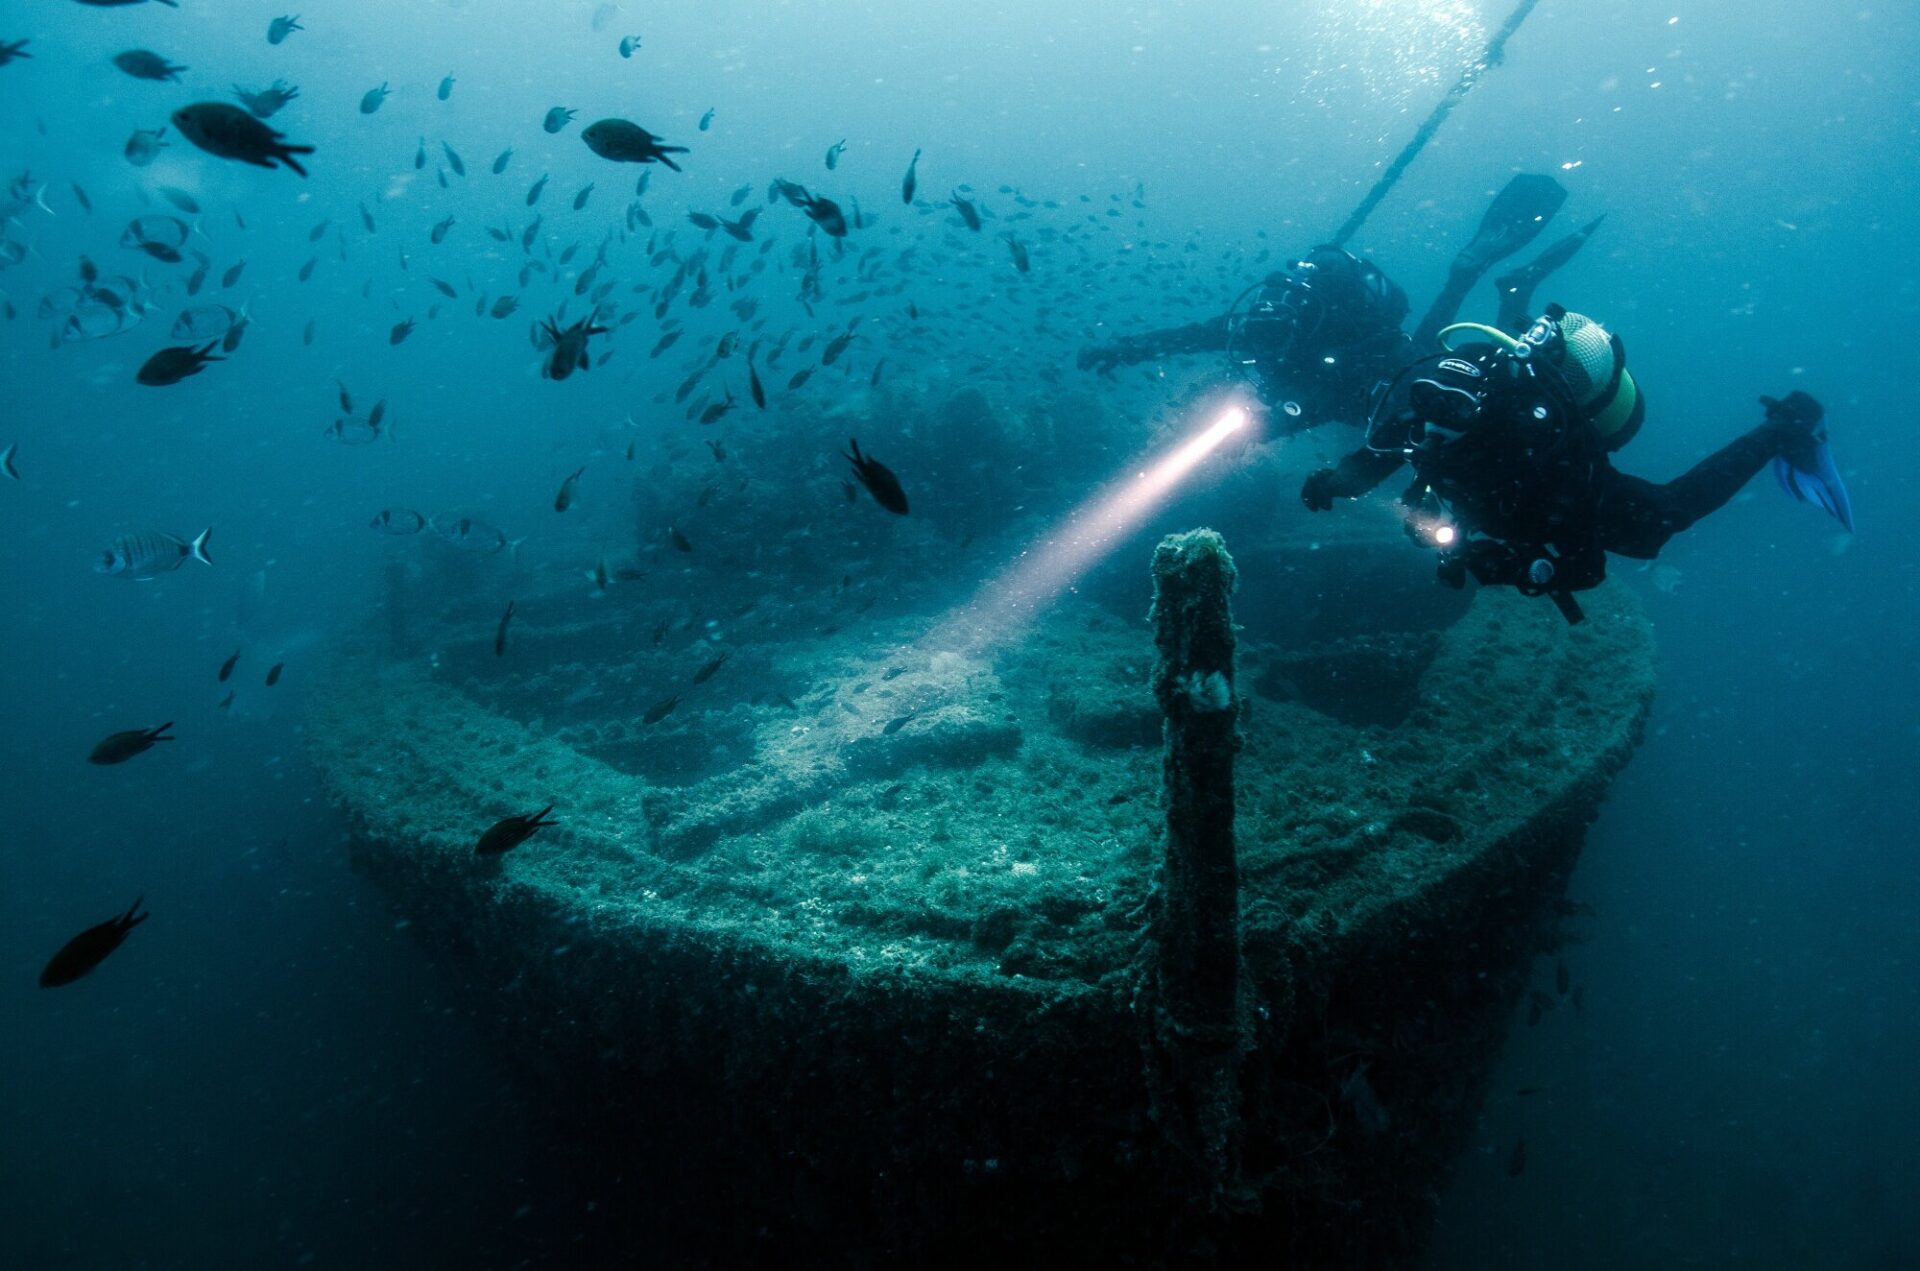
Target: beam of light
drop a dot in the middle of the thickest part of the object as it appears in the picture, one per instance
(1037, 576)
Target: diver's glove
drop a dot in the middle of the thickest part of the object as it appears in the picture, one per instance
(1796, 413)
(1317, 491)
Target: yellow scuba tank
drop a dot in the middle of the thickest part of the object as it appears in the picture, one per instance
(1588, 359)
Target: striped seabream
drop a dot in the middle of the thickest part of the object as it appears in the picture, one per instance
(150, 553)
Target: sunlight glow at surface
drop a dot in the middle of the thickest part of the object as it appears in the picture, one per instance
(1392, 48)
(1039, 574)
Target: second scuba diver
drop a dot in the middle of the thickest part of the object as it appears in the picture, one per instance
(1317, 338)
(1510, 442)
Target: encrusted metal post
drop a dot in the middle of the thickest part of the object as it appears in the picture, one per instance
(1190, 989)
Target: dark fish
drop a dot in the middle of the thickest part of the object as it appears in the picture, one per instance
(626, 142)
(680, 541)
(123, 746)
(504, 306)
(454, 160)
(307, 332)
(800, 377)
(739, 196)
(142, 64)
(232, 276)
(86, 203)
(706, 672)
(273, 673)
(500, 636)
(500, 163)
(564, 500)
(911, 180)
(968, 212)
(346, 398)
(569, 347)
(1019, 253)
(366, 218)
(420, 156)
(280, 28)
(664, 343)
(714, 413)
(14, 50)
(446, 88)
(706, 120)
(660, 710)
(371, 100)
(831, 354)
(171, 365)
(833, 153)
(440, 228)
(754, 386)
(703, 221)
(90, 948)
(225, 702)
(319, 231)
(226, 668)
(1517, 1163)
(822, 211)
(6, 460)
(507, 834)
(628, 45)
(306, 270)
(536, 190)
(580, 199)
(879, 480)
(401, 330)
(873, 381)
(235, 333)
(895, 725)
(232, 133)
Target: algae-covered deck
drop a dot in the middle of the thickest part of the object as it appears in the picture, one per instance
(1007, 827)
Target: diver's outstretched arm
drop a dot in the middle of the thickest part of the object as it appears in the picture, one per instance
(1352, 477)
(1195, 337)
(1637, 517)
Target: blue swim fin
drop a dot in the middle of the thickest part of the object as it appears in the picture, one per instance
(1811, 478)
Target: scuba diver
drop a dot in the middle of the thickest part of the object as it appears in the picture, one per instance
(1320, 336)
(1510, 443)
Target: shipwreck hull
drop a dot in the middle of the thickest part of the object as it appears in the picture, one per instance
(855, 997)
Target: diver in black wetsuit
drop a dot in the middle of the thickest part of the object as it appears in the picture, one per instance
(1319, 337)
(1509, 440)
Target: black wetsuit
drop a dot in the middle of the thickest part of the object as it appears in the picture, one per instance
(1518, 490)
